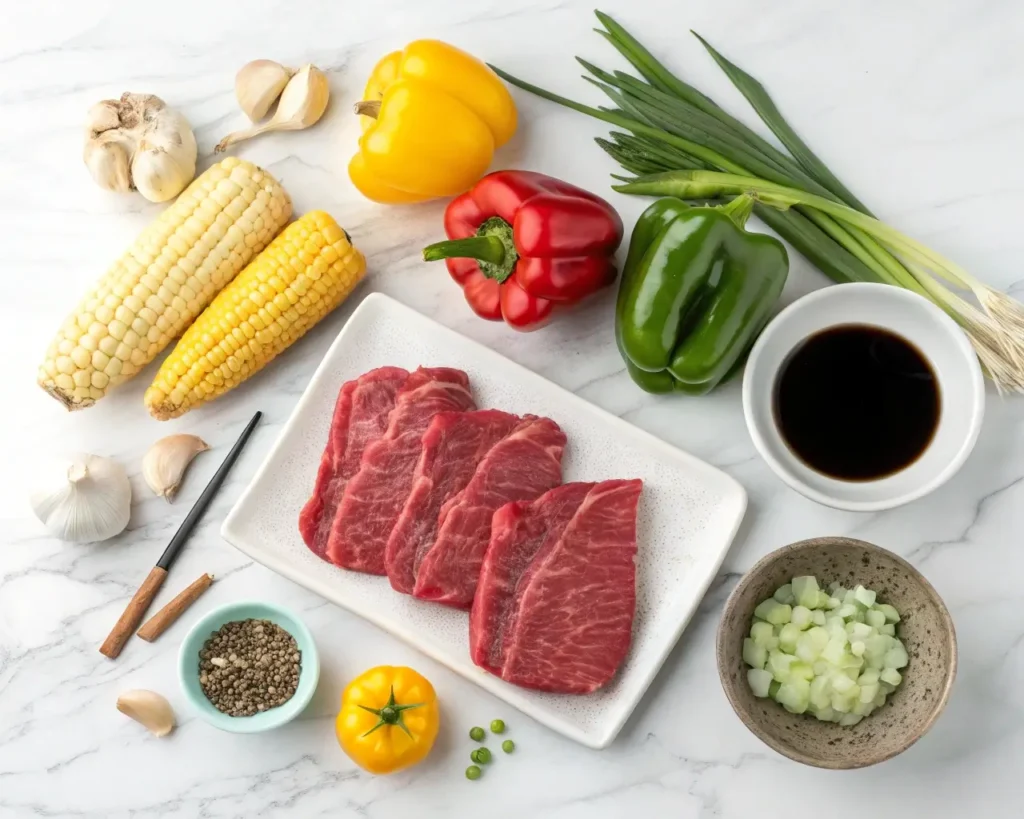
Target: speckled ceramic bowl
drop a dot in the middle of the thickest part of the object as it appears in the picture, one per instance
(926, 629)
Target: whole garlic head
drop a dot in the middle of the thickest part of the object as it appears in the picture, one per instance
(83, 499)
(139, 143)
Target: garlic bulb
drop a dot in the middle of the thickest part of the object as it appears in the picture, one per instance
(150, 709)
(303, 102)
(83, 499)
(166, 461)
(258, 85)
(139, 143)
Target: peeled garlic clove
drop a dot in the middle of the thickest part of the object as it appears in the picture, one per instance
(139, 143)
(258, 85)
(304, 99)
(302, 103)
(166, 462)
(148, 708)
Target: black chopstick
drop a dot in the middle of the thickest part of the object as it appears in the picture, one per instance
(192, 518)
(130, 618)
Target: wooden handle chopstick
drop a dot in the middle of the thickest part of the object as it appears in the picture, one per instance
(137, 606)
(133, 613)
(164, 619)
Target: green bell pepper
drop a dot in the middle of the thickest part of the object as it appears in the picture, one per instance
(695, 292)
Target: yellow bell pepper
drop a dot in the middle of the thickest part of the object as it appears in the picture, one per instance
(433, 116)
(388, 719)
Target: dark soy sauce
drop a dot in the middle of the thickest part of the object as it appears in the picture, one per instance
(857, 402)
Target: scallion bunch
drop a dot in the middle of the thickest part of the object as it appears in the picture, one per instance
(678, 142)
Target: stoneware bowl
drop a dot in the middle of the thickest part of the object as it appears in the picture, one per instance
(932, 332)
(188, 666)
(926, 629)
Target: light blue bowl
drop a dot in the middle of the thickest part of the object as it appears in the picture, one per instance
(188, 666)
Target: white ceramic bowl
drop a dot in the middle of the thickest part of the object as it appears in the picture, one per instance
(921, 323)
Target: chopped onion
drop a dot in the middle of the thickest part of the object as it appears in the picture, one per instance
(832, 654)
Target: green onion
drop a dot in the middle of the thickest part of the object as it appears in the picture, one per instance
(771, 116)
(669, 126)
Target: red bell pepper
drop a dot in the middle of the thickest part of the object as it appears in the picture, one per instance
(522, 242)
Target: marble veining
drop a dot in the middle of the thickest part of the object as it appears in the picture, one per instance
(916, 105)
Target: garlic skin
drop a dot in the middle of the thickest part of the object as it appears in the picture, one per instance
(258, 85)
(150, 709)
(139, 143)
(302, 103)
(165, 463)
(83, 499)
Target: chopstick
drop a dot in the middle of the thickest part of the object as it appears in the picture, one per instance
(137, 606)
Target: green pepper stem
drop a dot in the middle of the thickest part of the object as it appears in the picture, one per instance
(494, 248)
(482, 248)
(739, 209)
(390, 714)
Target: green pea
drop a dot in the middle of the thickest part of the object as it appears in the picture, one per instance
(483, 756)
(476, 733)
(508, 746)
(497, 726)
(473, 772)
(473, 756)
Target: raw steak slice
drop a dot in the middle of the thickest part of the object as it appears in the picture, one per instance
(375, 495)
(360, 417)
(521, 467)
(453, 445)
(554, 609)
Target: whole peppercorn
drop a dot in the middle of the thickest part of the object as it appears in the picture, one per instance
(249, 666)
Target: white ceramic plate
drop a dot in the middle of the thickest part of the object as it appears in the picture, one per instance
(689, 512)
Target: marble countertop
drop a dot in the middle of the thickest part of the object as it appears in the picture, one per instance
(916, 105)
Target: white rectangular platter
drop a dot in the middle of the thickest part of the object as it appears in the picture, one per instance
(689, 512)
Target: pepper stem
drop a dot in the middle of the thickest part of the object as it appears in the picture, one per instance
(368, 108)
(390, 714)
(483, 248)
(493, 247)
(739, 209)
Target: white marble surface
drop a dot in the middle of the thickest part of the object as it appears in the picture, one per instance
(918, 106)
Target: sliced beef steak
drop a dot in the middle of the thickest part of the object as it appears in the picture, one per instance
(554, 607)
(360, 417)
(522, 466)
(453, 445)
(375, 495)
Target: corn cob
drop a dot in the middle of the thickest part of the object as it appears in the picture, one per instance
(165, 279)
(305, 273)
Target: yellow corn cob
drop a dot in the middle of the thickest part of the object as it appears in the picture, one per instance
(305, 273)
(172, 271)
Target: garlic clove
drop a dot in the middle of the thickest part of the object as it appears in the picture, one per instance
(150, 709)
(302, 103)
(139, 143)
(258, 85)
(165, 463)
(304, 99)
(83, 499)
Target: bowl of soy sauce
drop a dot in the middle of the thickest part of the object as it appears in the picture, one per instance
(863, 396)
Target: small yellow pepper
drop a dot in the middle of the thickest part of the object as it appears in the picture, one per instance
(388, 719)
(433, 116)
